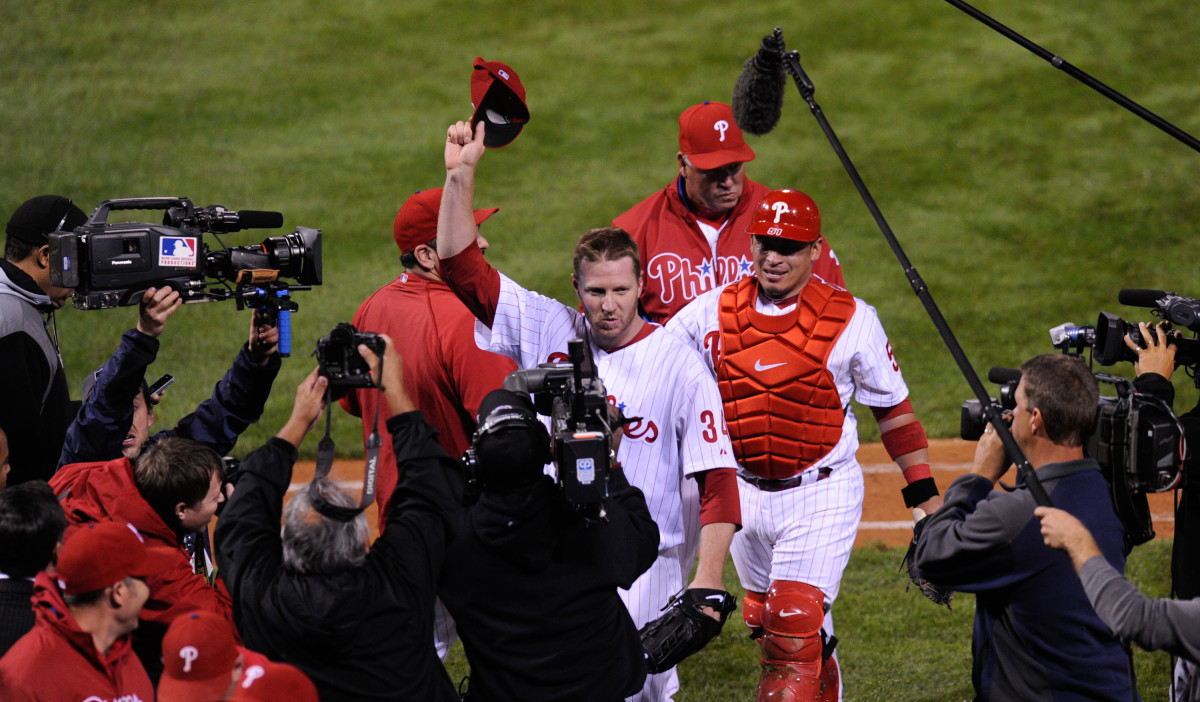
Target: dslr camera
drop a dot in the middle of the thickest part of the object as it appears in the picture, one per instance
(339, 360)
(574, 398)
(110, 264)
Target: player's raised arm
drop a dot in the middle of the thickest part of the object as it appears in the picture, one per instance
(456, 220)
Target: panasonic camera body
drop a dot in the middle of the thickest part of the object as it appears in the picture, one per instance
(111, 264)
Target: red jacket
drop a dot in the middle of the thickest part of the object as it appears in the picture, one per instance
(92, 492)
(446, 373)
(58, 661)
(677, 260)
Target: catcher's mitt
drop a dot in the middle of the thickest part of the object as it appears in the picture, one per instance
(936, 595)
(684, 629)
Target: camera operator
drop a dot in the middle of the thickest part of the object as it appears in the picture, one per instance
(1036, 635)
(1154, 367)
(118, 411)
(355, 617)
(1154, 624)
(647, 372)
(37, 405)
(532, 587)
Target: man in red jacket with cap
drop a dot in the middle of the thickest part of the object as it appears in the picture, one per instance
(80, 648)
(172, 490)
(445, 371)
(692, 234)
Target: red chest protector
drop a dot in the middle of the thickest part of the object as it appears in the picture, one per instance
(781, 402)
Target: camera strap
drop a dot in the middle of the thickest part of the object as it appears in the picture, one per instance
(325, 452)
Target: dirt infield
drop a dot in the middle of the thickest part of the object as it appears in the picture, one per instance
(886, 521)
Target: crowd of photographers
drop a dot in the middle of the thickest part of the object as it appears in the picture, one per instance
(110, 588)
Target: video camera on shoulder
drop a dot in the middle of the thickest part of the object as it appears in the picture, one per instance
(574, 398)
(339, 360)
(110, 264)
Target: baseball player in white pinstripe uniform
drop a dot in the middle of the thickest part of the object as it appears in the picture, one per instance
(788, 351)
(649, 374)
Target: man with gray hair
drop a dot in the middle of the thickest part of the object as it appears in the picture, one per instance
(357, 620)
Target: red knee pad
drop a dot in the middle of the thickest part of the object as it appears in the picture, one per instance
(792, 645)
(792, 621)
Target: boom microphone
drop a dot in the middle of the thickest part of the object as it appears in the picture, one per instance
(758, 92)
(1137, 297)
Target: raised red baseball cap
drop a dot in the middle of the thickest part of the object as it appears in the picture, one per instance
(710, 138)
(100, 554)
(199, 652)
(416, 222)
(499, 99)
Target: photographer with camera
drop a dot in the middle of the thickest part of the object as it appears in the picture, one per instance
(532, 585)
(356, 617)
(37, 404)
(118, 407)
(1154, 367)
(648, 373)
(1036, 635)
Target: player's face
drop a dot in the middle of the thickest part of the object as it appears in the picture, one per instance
(609, 291)
(197, 516)
(716, 190)
(783, 266)
(139, 430)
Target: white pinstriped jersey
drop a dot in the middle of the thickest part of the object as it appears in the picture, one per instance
(657, 378)
(861, 361)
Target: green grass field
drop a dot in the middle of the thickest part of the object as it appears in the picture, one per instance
(1022, 197)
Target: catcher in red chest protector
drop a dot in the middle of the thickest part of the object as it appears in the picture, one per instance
(788, 351)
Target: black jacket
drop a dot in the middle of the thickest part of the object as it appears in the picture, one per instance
(367, 633)
(37, 406)
(533, 592)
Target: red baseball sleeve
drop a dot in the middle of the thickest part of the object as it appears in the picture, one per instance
(719, 497)
(474, 281)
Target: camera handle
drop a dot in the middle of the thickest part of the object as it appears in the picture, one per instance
(100, 215)
(791, 63)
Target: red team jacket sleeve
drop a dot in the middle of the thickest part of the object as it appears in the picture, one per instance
(474, 281)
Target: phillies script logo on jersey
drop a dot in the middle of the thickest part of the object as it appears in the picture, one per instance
(640, 429)
(679, 276)
(123, 698)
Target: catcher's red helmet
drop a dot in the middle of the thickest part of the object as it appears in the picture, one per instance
(787, 214)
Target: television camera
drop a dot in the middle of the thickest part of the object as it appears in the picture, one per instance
(111, 264)
(1138, 441)
(574, 398)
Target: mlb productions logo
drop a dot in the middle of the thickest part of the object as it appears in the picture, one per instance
(178, 251)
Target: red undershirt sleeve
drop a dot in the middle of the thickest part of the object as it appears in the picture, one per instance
(474, 281)
(719, 497)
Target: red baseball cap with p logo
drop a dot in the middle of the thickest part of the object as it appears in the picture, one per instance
(499, 99)
(199, 652)
(710, 138)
